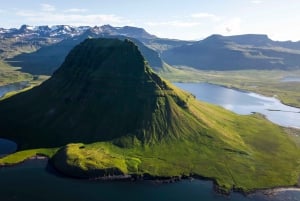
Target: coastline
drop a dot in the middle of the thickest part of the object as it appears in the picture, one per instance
(36, 157)
(248, 91)
(164, 180)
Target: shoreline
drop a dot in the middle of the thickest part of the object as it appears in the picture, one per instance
(36, 157)
(164, 180)
(248, 91)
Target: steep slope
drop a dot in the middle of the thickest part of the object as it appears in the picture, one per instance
(235, 53)
(102, 91)
(138, 124)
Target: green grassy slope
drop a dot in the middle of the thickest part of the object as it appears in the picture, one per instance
(242, 152)
(8, 74)
(113, 115)
(91, 97)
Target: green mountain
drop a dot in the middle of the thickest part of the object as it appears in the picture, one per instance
(110, 114)
(102, 91)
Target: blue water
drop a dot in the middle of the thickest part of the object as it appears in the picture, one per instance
(31, 182)
(12, 87)
(291, 79)
(7, 147)
(245, 103)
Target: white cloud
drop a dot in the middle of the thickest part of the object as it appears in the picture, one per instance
(76, 19)
(75, 10)
(48, 8)
(205, 16)
(175, 23)
(257, 1)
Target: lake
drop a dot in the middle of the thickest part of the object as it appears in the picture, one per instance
(34, 180)
(290, 79)
(242, 102)
(12, 87)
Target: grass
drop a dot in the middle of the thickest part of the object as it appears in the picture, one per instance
(33, 83)
(266, 82)
(21, 156)
(246, 163)
(10, 74)
(138, 123)
(235, 151)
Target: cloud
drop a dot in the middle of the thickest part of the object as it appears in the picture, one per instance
(48, 8)
(175, 23)
(205, 16)
(257, 1)
(75, 10)
(70, 18)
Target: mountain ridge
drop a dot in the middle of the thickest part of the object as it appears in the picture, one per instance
(22, 47)
(250, 51)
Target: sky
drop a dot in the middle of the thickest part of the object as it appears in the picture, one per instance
(179, 19)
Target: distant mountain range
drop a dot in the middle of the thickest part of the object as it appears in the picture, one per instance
(42, 49)
(236, 52)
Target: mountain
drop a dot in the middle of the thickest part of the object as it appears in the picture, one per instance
(66, 31)
(235, 53)
(98, 77)
(105, 112)
(43, 49)
(48, 58)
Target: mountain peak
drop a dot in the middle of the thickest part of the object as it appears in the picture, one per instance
(104, 57)
(104, 90)
(251, 39)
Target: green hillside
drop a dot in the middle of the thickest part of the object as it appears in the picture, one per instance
(108, 113)
(9, 74)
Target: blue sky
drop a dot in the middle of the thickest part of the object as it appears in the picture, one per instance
(189, 19)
